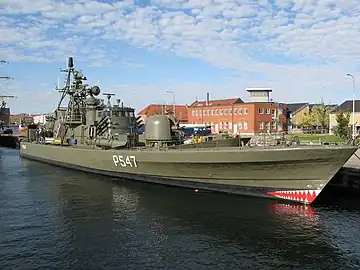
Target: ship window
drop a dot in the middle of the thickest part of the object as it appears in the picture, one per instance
(131, 114)
(245, 125)
(126, 114)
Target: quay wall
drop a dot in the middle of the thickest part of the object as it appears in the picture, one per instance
(10, 141)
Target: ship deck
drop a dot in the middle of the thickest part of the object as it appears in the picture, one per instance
(208, 149)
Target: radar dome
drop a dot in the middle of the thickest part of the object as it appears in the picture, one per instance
(95, 90)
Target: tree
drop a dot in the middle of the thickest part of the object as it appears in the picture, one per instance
(307, 120)
(342, 129)
(320, 114)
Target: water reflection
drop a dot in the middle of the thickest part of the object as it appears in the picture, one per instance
(68, 219)
(245, 227)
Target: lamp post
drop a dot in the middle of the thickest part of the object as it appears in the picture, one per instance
(173, 94)
(353, 113)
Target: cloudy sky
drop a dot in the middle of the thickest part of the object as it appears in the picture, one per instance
(138, 49)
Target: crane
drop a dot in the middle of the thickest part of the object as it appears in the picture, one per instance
(2, 97)
(5, 77)
(3, 102)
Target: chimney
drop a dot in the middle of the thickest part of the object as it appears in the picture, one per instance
(207, 98)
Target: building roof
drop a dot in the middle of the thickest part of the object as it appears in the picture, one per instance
(153, 109)
(327, 105)
(347, 106)
(294, 107)
(21, 115)
(216, 102)
(260, 89)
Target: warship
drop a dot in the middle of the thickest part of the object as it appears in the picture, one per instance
(92, 136)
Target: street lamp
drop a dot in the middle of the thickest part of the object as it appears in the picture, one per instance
(353, 113)
(173, 94)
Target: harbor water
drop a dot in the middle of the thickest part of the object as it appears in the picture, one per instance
(54, 218)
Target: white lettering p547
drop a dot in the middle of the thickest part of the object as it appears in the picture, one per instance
(124, 161)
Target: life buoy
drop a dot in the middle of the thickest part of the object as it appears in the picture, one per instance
(197, 139)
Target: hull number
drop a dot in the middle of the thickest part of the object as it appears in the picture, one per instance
(124, 161)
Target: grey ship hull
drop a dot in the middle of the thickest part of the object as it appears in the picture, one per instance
(296, 174)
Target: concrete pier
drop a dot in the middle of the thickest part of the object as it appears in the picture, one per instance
(354, 161)
(348, 178)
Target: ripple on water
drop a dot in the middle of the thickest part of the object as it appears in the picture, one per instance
(63, 219)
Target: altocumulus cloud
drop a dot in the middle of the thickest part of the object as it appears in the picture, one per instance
(301, 48)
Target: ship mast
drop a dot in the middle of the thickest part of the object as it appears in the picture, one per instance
(3, 97)
(77, 91)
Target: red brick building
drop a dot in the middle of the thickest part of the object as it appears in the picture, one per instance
(239, 117)
(181, 112)
(22, 118)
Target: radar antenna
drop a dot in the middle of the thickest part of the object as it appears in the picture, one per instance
(108, 95)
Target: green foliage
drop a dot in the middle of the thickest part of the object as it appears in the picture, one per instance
(307, 120)
(321, 117)
(317, 117)
(317, 138)
(342, 129)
